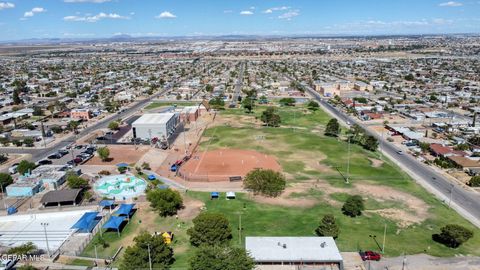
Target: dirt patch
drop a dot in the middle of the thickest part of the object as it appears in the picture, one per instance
(376, 162)
(121, 153)
(220, 164)
(414, 210)
(191, 208)
(287, 198)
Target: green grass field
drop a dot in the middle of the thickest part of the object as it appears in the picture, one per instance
(298, 140)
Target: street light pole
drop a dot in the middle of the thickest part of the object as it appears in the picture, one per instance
(451, 195)
(149, 257)
(347, 178)
(384, 236)
(46, 237)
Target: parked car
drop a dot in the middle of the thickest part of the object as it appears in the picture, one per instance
(370, 255)
(63, 152)
(13, 169)
(78, 160)
(7, 264)
(44, 162)
(55, 156)
(79, 146)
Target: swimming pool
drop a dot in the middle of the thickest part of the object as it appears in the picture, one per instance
(120, 186)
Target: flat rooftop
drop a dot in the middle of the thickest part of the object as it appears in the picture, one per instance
(153, 118)
(293, 249)
(16, 229)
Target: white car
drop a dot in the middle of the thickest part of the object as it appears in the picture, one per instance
(6, 264)
(13, 169)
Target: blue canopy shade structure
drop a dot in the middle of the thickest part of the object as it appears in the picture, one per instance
(106, 203)
(124, 209)
(114, 223)
(122, 165)
(87, 222)
(152, 177)
(214, 195)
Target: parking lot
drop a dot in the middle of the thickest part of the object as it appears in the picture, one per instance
(72, 154)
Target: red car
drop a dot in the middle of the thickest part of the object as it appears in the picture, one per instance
(370, 255)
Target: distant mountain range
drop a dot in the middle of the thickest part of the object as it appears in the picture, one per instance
(129, 38)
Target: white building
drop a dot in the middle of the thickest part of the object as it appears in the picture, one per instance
(284, 252)
(155, 125)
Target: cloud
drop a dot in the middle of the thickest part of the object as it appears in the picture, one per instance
(451, 4)
(34, 10)
(95, 18)
(166, 15)
(271, 10)
(5, 5)
(86, 1)
(246, 12)
(289, 15)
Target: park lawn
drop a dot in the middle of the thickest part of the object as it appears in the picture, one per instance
(294, 146)
(269, 220)
(157, 104)
(137, 225)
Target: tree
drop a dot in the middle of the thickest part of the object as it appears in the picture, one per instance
(370, 143)
(328, 227)
(75, 181)
(114, 125)
(424, 146)
(103, 153)
(287, 101)
(73, 125)
(333, 128)
(25, 249)
(167, 201)
(209, 88)
(5, 179)
(16, 97)
(453, 235)
(248, 104)
(210, 229)
(137, 256)
(25, 166)
(353, 206)
(313, 105)
(37, 111)
(221, 258)
(270, 117)
(474, 181)
(28, 142)
(266, 182)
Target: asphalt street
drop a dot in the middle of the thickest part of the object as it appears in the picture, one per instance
(238, 86)
(466, 202)
(38, 154)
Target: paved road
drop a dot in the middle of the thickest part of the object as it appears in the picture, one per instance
(465, 202)
(238, 85)
(38, 154)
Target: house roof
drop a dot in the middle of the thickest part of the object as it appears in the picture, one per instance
(440, 149)
(293, 249)
(465, 162)
(58, 196)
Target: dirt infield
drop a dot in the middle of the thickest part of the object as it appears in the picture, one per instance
(219, 165)
(121, 153)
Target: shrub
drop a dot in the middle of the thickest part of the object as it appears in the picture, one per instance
(453, 235)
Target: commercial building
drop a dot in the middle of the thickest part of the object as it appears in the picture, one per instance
(84, 114)
(189, 114)
(155, 125)
(284, 252)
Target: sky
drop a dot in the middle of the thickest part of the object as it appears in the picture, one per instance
(24, 19)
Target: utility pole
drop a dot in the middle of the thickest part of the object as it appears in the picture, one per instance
(46, 238)
(96, 254)
(3, 199)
